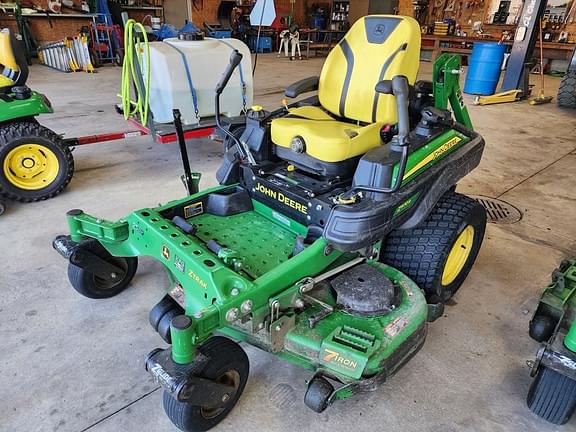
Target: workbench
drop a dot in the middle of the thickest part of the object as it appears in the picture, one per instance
(463, 45)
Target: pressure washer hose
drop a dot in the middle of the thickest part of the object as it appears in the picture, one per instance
(130, 73)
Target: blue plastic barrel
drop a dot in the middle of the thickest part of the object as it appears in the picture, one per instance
(484, 68)
(319, 22)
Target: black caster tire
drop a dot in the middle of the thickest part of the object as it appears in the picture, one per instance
(317, 396)
(541, 328)
(164, 324)
(439, 253)
(228, 363)
(94, 287)
(2, 208)
(35, 164)
(552, 396)
(159, 310)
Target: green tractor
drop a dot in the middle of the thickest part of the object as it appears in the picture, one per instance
(334, 238)
(35, 164)
(552, 394)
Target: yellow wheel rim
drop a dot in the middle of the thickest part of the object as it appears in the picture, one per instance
(458, 255)
(31, 166)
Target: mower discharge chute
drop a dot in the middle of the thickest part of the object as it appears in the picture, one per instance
(334, 237)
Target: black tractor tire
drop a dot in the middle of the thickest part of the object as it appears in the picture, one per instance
(160, 309)
(164, 324)
(552, 396)
(20, 134)
(94, 287)
(317, 396)
(422, 252)
(228, 363)
(567, 90)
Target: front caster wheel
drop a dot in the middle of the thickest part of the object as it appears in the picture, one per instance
(228, 364)
(92, 286)
(317, 396)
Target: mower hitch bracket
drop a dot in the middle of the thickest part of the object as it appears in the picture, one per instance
(557, 357)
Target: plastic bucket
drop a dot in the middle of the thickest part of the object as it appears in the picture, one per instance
(484, 68)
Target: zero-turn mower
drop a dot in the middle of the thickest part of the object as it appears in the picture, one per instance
(35, 163)
(552, 394)
(334, 237)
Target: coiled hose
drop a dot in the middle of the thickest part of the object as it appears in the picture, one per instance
(139, 106)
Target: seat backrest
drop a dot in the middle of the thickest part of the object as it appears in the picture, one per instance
(377, 47)
(12, 59)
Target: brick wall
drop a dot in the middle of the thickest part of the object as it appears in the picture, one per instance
(44, 30)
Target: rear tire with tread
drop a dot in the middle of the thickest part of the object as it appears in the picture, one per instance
(552, 396)
(422, 252)
(567, 90)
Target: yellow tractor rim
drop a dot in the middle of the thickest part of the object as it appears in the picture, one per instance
(31, 166)
(458, 255)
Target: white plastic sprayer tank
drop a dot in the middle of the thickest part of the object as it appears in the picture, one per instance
(207, 59)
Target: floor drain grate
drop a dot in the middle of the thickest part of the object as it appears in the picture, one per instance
(498, 211)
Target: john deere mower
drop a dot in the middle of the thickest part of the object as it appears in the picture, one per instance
(552, 394)
(334, 237)
(35, 164)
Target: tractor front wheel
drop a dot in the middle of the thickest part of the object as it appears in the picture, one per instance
(35, 164)
(228, 364)
(439, 253)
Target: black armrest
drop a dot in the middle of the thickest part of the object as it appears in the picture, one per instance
(303, 86)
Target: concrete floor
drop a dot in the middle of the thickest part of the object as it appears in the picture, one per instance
(72, 364)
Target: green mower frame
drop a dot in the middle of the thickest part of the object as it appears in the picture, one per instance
(241, 267)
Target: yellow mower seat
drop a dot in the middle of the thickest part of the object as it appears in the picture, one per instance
(14, 69)
(376, 48)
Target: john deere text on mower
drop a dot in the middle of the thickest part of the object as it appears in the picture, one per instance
(335, 235)
(35, 164)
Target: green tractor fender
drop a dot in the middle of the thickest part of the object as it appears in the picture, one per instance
(12, 109)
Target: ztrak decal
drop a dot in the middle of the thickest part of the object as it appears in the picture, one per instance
(335, 357)
(197, 279)
(165, 252)
(406, 204)
(281, 198)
